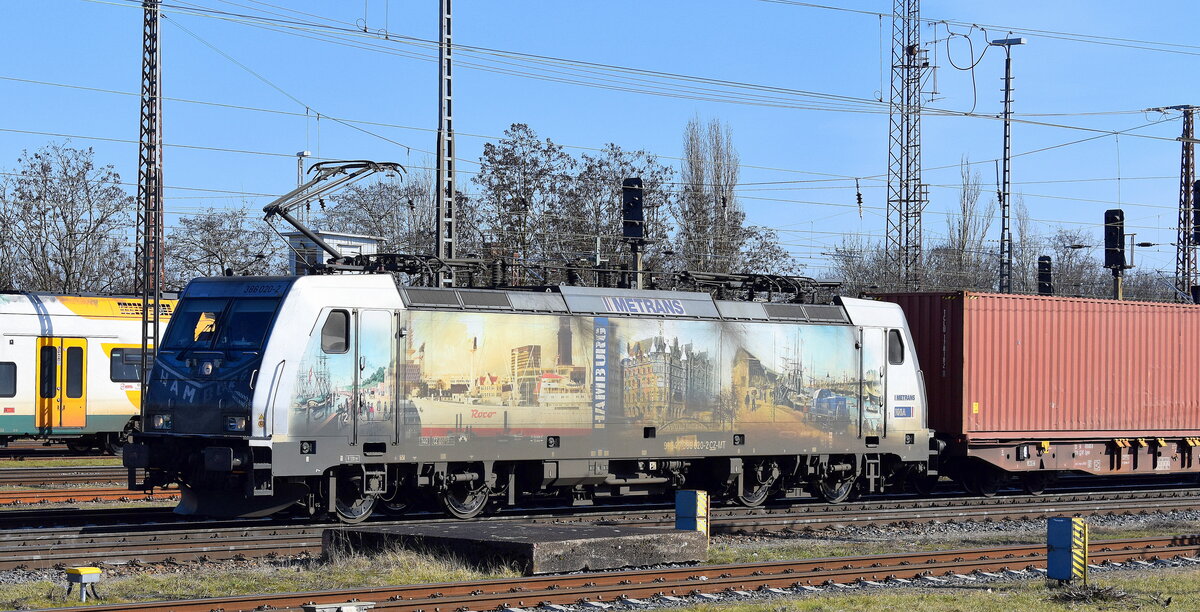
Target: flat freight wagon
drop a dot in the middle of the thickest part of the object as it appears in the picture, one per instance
(1038, 385)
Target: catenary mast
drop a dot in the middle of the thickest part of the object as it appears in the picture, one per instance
(906, 193)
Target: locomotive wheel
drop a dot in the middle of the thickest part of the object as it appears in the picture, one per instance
(465, 500)
(756, 484)
(354, 511)
(836, 491)
(1035, 482)
(397, 504)
(351, 506)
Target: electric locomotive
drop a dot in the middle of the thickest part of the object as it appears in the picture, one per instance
(349, 393)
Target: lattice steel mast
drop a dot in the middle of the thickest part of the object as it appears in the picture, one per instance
(907, 195)
(149, 247)
(444, 190)
(1185, 251)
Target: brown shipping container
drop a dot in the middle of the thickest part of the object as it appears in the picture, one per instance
(1001, 366)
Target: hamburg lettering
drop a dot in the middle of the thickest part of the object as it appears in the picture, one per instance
(599, 372)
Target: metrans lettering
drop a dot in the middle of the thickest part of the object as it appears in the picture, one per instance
(638, 305)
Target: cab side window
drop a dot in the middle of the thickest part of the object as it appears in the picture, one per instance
(895, 347)
(335, 334)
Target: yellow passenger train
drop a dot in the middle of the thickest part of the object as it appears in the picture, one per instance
(70, 368)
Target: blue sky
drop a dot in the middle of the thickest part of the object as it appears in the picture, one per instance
(797, 48)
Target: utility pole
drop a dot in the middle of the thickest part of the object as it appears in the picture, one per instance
(444, 190)
(150, 191)
(906, 193)
(1005, 195)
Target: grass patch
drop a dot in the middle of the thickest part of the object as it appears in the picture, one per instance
(730, 549)
(190, 581)
(1177, 589)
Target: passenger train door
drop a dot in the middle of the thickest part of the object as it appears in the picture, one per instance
(873, 416)
(61, 382)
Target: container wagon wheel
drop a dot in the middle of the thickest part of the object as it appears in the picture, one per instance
(1035, 483)
(923, 485)
(985, 480)
(351, 505)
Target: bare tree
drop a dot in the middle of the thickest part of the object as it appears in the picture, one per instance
(1076, 271)
(524, 182)
(66, 224)
(589, 226)
(1026, 249)
(401, 211)
(862, 268)
(963, 262)
(710, 230)
(217, 241)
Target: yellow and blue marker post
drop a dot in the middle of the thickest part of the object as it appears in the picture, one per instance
(1067, 549)
(691, 511)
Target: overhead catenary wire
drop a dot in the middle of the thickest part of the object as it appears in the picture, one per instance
(874, 105)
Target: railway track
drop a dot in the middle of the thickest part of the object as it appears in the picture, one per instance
(34, 476)
(779, 577)
(188, 540)
(27, 450)
(77, 495)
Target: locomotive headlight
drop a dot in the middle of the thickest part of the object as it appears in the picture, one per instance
(161, 421)
(235, 423)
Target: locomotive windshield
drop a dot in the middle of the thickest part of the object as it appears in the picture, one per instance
(220, 324)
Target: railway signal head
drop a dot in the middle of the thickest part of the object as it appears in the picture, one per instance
(1114, 239)
(632, 217)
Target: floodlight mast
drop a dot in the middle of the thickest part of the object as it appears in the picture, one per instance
(329, 176)
(1006, 247)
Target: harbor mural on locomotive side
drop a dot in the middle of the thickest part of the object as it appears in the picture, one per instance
(459, 376)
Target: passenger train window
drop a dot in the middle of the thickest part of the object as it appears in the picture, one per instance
(335, 334)
(48, 371)
(895, 347)
(8, 379)
(125, 365)
(74, 371)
